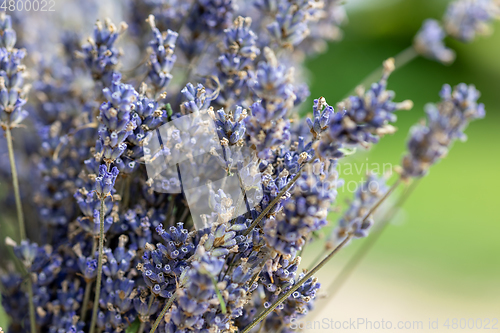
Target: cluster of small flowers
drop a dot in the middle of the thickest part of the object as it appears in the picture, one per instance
(100, 54)
(463, 20)
(95, 122)
(12, 89)
(360, 121)
(446, 121)
(355, 220)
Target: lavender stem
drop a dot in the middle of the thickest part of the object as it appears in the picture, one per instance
(20, 220)
(99, 268)
(401, 59)
(162, 313)
(351, 265)
(264, 314)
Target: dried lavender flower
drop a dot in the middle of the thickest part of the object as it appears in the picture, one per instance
(100, 54)
(292, 18)
(162, 58)
(354, 221)
(429, 142)
(12, 72)
(429, 42)
(465, 19)
(360, 120)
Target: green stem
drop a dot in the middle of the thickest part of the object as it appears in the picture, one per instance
(15, 184)
(126, 194)
(316, 260)
(88, 289)
(372, 209)
(162, 314)
(386, 195)
(141, 327)
(20, 220)
(266, 312)
(31, 305)
(368, 244)
(219, 296)
(401, 59)
(273, 203)
(99, 268)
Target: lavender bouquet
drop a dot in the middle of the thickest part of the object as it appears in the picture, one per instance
(168, 184)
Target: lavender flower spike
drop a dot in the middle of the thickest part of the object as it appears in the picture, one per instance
(12, 72)
(367, 194)
(446, 122)
(292, 18)
(162, 57)
(100, 54)
(116, 120)
(465, 19)
(429, 42)
(360, 120)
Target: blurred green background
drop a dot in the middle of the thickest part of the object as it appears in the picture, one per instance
(442, 256)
